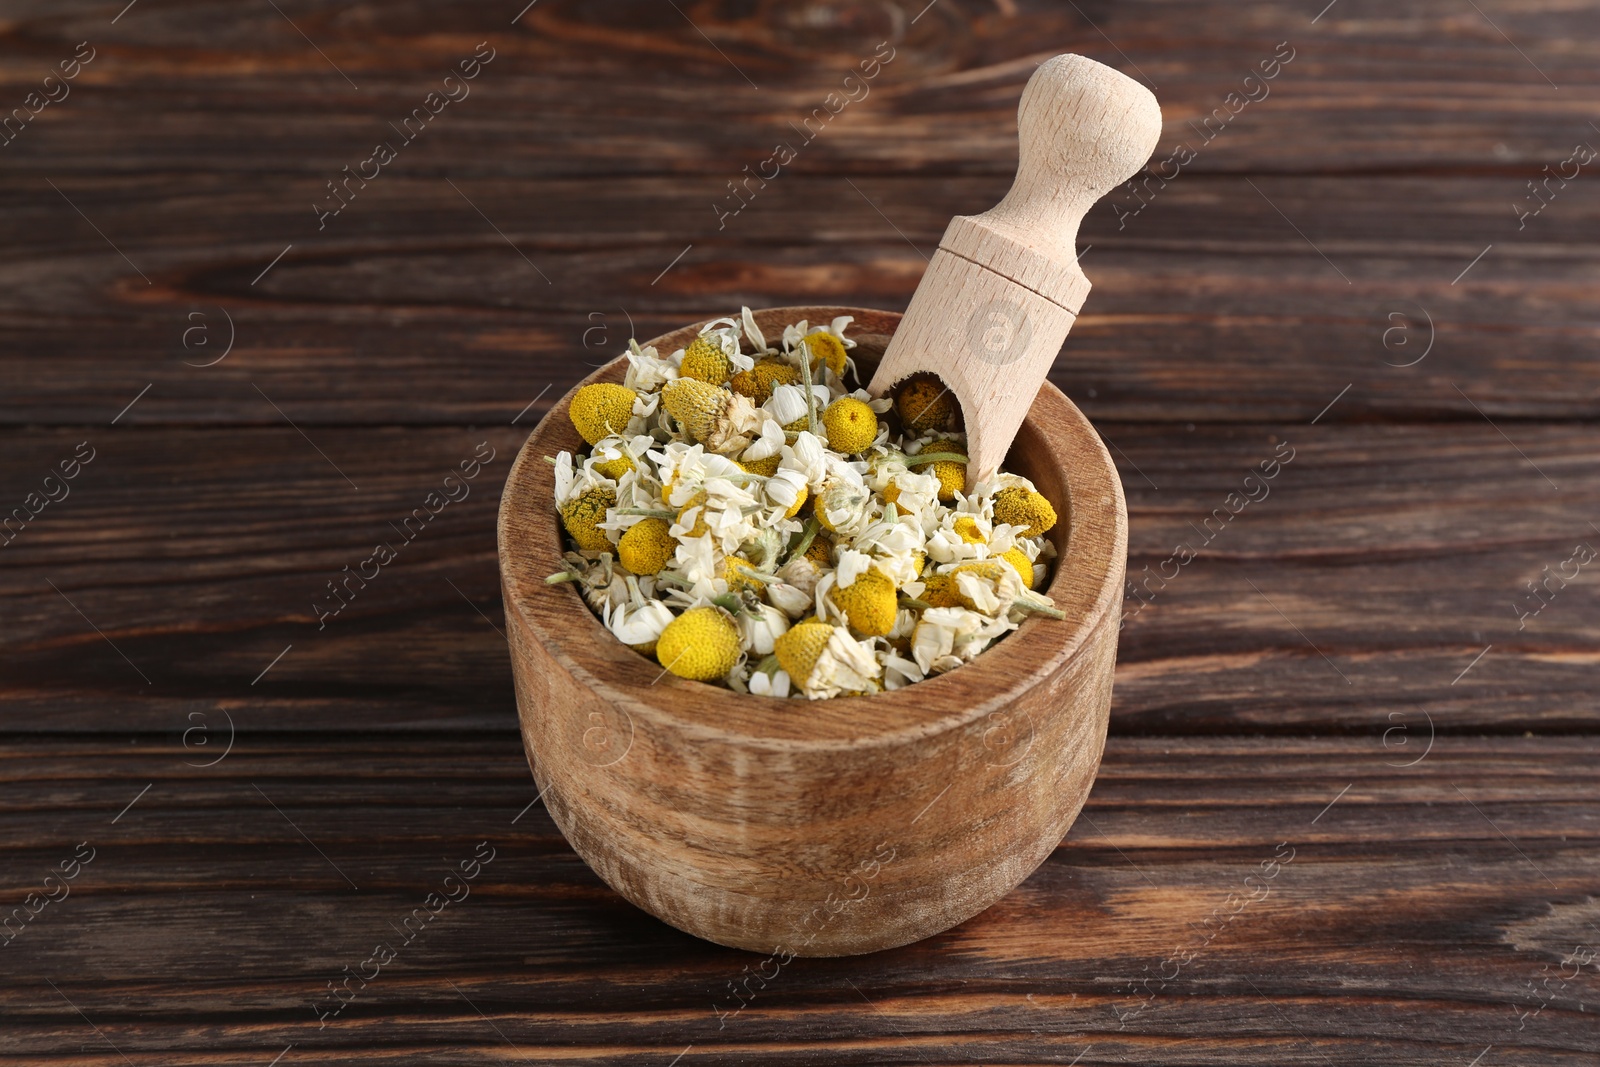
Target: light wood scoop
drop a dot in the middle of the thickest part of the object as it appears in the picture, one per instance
(1004, 287)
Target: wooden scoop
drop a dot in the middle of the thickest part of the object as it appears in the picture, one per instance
(1004, 287)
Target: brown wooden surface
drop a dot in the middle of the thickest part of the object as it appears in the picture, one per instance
(1426, 913)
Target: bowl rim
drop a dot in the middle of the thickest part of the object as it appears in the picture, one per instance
(1034, 653)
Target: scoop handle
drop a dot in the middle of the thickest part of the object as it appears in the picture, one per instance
(1082, 130)
(1004, 287)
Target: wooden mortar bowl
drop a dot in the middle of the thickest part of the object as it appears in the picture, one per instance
(820, 828)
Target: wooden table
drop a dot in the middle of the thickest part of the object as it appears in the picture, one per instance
(1348, 687)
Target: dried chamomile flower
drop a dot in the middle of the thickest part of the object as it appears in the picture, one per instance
(759, 382)
(866, 605)
(803, 573)
(610, 459)
(851, 425)
(756, 520)
(787, 489)
(951, 472)
(1021, 564)
(960, 536)
(1026, 508)
(638, 621)
(741, 574)
(705, 360)
(766, 548)
(913, 492)
(948, 637)
(582, 515)
(601, 410)
(828, 350)
(823, 660)
(647, 546)
(924, 404)
(761, 625)
(720, 419)
(787, 406)
(702, 644)
(766, 466)
(843, 508)
(647, 371)
(808, 456)
(995, 588)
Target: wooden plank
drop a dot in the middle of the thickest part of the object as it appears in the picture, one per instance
(1432, 901)
(1207, 306)
(1368, 87)
(1341, 669)
(1383, 560)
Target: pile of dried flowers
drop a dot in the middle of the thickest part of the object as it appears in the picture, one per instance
(749, 519)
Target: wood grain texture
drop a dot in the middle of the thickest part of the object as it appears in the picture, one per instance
(1399, 549)
(1207, 306)
(1280, 689)
(1404, 925)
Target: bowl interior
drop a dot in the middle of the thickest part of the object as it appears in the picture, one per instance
(1056, 449)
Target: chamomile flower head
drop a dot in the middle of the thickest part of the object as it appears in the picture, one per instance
(865, 604)
(1026, 508)
(761, 625)
(809, 457)
(741, 575)
(892, 535)
(766, 466)
(842, 508)
(696, 404)
(722, 420)
(795, 603)
(601, 410)
(782, 542)
(827, 350)
(787, 405)
(960, 536)
(914, 493)
(786, 489)
(767, 548)
(582, 515)
(764, 378)
(945, 638)
(1021, 564)
(705, 360)
(950, 473)
(611, 459)
(647, 546)
(803, 573)
(851, 425)
(702, 644)
(795, 332)
(727, 333)
(823, 660)
(924, 404)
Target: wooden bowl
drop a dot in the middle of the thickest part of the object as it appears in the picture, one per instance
(820, 828)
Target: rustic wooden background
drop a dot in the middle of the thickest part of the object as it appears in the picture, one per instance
(1341, 676)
